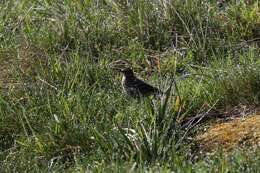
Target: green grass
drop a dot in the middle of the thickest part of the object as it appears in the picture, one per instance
(62, 108)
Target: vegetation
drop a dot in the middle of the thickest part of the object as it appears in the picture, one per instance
(62, 108)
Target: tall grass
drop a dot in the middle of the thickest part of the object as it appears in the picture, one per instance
(62, 108)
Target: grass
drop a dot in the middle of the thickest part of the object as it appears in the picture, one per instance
(62, 108)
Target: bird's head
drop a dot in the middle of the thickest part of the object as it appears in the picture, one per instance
(122, 66)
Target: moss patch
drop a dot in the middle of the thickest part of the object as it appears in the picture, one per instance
(232, 134)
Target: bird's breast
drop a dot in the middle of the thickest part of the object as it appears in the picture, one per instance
(123, 82)
(128, 86)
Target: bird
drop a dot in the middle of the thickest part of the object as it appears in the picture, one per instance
(132, 85)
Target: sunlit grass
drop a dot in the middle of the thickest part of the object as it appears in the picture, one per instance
(63, 108)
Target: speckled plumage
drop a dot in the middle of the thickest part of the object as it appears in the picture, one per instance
(136, 87)
(130, 83)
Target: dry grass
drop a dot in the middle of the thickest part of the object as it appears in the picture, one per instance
(228, 135)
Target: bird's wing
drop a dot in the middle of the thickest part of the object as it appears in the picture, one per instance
(145, 88)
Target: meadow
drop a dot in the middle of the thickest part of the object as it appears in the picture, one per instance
(62, 108)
